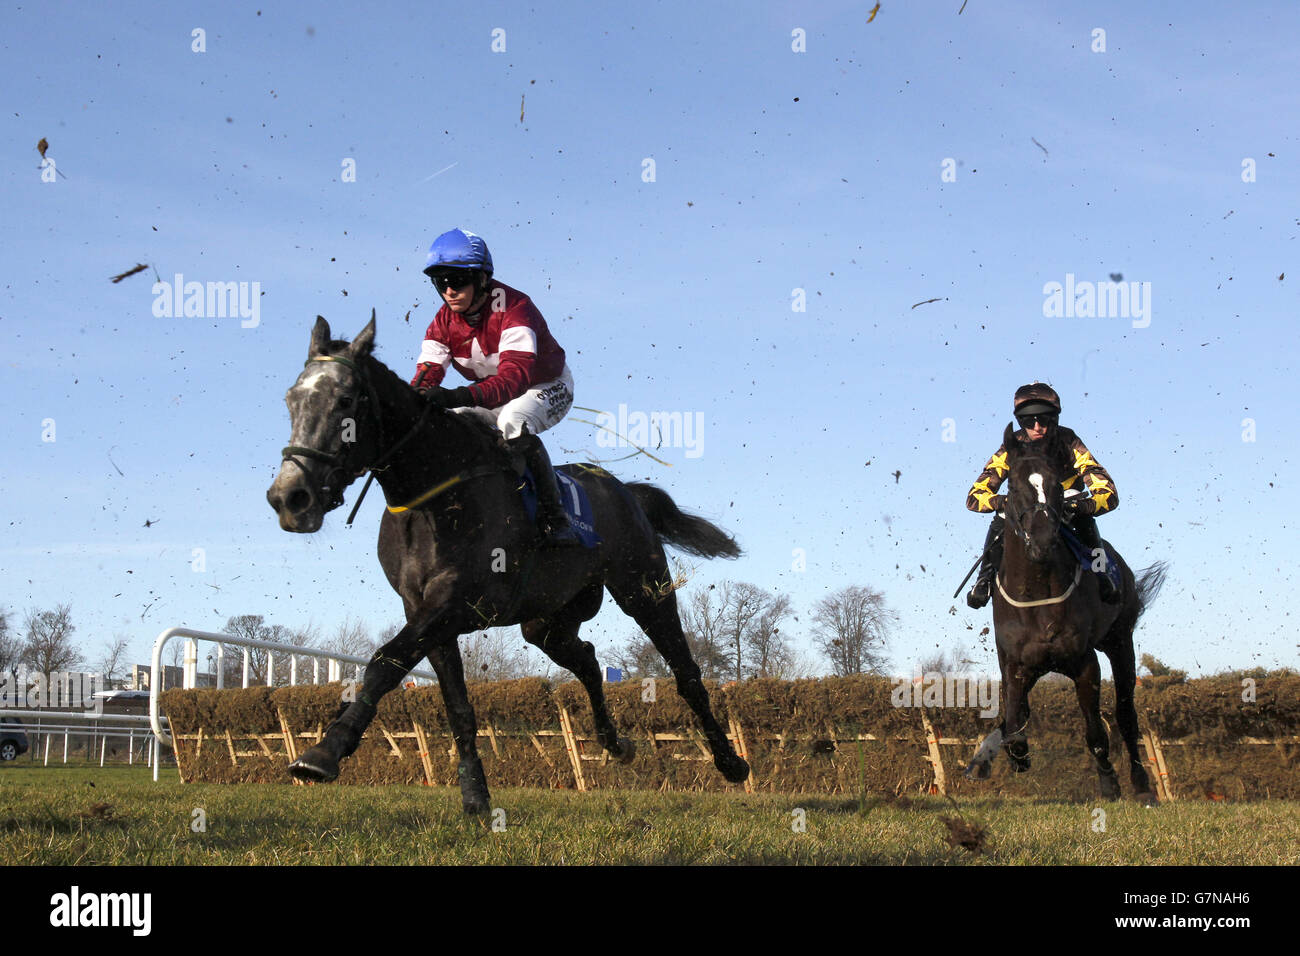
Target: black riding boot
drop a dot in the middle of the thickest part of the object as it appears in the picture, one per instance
(979, 593)
(1085, 528)
(552, 521)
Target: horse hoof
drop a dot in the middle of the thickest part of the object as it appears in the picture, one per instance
(1109, 788)
(626, 750)
(474, 808)
(979, 771)
(1020, 765)
(317, 765)
(1147, 799)
(733, 768)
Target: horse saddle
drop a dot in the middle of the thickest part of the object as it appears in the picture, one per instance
(1085, 556)
(574, 498)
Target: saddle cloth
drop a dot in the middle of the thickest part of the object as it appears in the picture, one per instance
(574, 498)
(1085, 557)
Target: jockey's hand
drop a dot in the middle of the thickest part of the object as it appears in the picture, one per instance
(996, 503)
(1080, 505)
(450, 397)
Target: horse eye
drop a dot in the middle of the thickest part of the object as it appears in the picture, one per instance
(345, 401)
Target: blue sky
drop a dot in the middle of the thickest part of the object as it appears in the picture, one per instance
(774, 171)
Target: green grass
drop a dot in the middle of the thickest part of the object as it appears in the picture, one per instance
(56, 815)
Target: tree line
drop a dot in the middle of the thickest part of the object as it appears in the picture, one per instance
(735, 630)
(738, 631)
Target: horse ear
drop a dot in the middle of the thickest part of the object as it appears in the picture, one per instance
(365, 341)
(1009, 440)
(320, 337)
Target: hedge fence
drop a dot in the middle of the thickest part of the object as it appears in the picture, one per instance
(1201, 739)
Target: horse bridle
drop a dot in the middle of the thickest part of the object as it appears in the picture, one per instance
(337, 459)
(1014, 520)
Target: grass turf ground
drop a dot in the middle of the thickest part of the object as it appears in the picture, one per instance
(85, 815)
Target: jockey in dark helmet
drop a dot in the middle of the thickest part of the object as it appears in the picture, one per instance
(1038, 409)
(500, 342)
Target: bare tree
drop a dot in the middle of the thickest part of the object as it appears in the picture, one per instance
(734, 630)
(499, 653)
(702, 623)
(48, 646)
(951, 661)
(770, 651)
(638, 657)
(11, 647)
(851, 627)
(742, 606)
(111, 660)
(351, 637)
(253, 626)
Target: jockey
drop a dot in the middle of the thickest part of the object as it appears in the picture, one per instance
(500, 342)
(1037, 408)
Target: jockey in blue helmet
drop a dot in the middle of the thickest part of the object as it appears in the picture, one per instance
(499, 341)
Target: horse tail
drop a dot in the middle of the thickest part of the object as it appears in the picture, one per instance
(1149, 582)
(687, 532)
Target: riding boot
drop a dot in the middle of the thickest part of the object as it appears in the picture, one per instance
(552, 521)
(1085, 528)
(979, 593)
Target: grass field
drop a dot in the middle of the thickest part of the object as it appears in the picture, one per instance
(84, 815)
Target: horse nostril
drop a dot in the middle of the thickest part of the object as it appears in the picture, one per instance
(298, 501)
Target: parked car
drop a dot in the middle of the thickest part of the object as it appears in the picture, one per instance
(13, 740)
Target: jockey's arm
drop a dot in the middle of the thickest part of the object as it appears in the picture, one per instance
(983, 497)
(1101, 487)
(432, 364)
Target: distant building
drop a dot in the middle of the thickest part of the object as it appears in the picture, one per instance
(172, 677)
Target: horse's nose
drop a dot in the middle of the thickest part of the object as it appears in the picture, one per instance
(273, 498)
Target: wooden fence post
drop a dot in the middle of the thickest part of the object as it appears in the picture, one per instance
(742, 750)
(422, 742)
(571, 745)
(936, 756)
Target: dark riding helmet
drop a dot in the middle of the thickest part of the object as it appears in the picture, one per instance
(1036, 399)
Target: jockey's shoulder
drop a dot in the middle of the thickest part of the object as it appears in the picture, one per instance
(1068, 436)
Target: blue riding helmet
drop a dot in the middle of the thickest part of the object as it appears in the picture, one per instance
(458, 249)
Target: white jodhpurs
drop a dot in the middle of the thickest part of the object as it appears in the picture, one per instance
(539, 408)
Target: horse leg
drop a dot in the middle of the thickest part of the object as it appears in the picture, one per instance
(658, 618)
(1015, 719)
(1087, 687)
(981, 764)
(557, 636)
(385, 671)
(1125, 673)
(446, 661)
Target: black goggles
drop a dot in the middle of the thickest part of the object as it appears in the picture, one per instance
(458, 279)
(1046, 419)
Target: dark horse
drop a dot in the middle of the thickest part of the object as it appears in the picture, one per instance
(458, 546)
(1049, 617)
